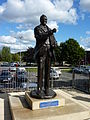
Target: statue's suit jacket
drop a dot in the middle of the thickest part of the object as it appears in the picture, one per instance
(41, 36)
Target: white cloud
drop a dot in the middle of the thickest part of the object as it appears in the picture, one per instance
(1, 9)
(15, 43)
(18, 46)
(7, 39)
(53, 24)
(63, 4)
(85, 42)
(85, 5)
(27, 35)
(24, 26)
(28, 11)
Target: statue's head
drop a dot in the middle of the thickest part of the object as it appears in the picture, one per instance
(43, 19)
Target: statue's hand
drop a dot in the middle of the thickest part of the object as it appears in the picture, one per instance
(54, 30)
(50, 32)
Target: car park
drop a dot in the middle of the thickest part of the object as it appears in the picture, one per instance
(14, 64)
(57, 70)
(5, 76)
(54, 74)
(21, 76)
(78, 70)
(87, 70)
(13, 71)
(26, 85)
(5, 64)
(82, 69)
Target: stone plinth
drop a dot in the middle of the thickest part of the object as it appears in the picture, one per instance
(71, 111)
(44, 103)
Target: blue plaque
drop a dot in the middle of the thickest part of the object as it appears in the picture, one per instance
(49, 104)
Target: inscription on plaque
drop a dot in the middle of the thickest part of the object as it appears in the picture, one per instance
(49, 104)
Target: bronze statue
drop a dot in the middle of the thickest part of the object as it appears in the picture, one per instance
(45, 42)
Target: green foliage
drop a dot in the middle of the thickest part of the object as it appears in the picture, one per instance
(28, 55)
(15, 57)
(57, 54)
(0, 55)
(71, 52)
(6, 55)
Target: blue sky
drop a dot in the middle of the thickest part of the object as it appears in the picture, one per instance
(19, 17)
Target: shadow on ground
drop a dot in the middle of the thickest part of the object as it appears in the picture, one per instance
(82, 98)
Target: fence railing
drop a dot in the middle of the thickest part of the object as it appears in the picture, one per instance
(81, 82)
(12, 80)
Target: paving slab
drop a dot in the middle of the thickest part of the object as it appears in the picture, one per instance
(4, 107)
(71, 111)
(1, 109)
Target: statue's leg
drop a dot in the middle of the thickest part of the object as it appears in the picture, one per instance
(40, 73)
(47, 74)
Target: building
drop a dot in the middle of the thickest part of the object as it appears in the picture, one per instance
(87, 57)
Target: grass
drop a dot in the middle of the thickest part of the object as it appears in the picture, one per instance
(31, 69)
(66, 70)
(35, 70)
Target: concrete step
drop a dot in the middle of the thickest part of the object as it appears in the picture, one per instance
(71, 111)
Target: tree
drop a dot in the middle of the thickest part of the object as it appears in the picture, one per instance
(57, 54)
(0, 55)
(15, 57)
(6, 55)
(72, 52)
(28, 55)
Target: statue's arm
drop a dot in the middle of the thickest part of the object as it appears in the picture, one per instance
(40, 34)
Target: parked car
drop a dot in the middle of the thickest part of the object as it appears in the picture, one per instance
(57, 70)
(5, 76)
(87, 70)
(54, 74)
(26, 85)
(21, 76)
(5, 64)
(13, 71)
(78, 70)
(14, 64)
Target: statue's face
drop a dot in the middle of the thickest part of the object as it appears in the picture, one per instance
(44, 20)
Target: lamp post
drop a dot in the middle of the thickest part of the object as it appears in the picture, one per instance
(20, 37)
(85, 58)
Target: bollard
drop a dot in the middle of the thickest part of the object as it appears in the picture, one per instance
(89, 83)
(73, 79)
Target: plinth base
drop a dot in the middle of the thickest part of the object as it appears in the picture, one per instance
(71, 111)
(41, 94)
(44, 103)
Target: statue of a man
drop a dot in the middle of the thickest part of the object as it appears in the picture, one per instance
(45, 42)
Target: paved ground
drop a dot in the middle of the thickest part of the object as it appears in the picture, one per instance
(4, 107)
(79, 97)
(71, 111)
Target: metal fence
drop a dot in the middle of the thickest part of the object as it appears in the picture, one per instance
(81, 82)
(28, 80)
(12, 79)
